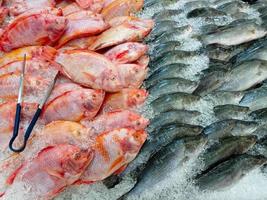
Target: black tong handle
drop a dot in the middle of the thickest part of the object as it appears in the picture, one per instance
(28, 131)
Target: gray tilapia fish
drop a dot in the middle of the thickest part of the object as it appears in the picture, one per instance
(196, 4)
(172, 85)
(233, 7)
(235, 35)
(259, 4)
(166, 161)
(161, 48)
(162, 27)
(224, 53)
(261, 131)
(210, 82)
(224, 149)
(158, 3)
(224, 97)
(255, 99)
(170, 57)
(209, 28)
(174, 70)
(166, 14)
(260, 148)
(263, 11)
(230, 127)
(255, 51)
(173, 34)
(205, 12)
(230, 111)
(229, 172)
(157, 140)
(178, 100)
(173, 116)
(244, 76)
(260, 114)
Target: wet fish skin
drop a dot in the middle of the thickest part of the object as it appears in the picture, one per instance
(172, 116)
(165, 47)
(163, 26)
(195, 4)
(158, 3)
(230, 127)
(173, 57)
(255, 99)
(229, 172)
(225, 148)
(246, 32)
(167, 160)
(244, 76)
(205, 12)
(173, 34)
(178, 100)
(260, 114)
(210, 83)
(224, 97)
(253, 49)
(166, 14)
(229, 111)
(224, 53)
(171, 85)
(154, 144)
(233, 7)
(167, 71)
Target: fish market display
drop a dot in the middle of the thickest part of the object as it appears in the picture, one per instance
(153, 99)
(92, 125)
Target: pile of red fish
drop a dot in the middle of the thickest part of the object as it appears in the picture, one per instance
(90, 127)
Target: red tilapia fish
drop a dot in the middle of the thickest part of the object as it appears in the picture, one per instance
(129, 31)
(17, 7)
(54, 168)
(7, 116)
(3, 15)
(113, 150)
(115, 8)
(127, 52)
(45, 52)
(81, 24)
(34, 28)
(74, 105)
(128, 99)
(89, 69)
(116, 119)
(132, 75)
(42, 73)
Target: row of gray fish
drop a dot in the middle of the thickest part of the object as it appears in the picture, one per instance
(232, 85)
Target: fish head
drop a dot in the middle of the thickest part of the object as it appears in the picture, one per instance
(133, 75)
(74, 160)
(138, 121)
(132, 142)
(55, 25)
(136, 97)
(93, 99)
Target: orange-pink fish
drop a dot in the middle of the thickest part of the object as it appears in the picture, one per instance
(36, 28)
(17, 7)
(81, 24)
(90, 69)
(127, 52)
(127, 99)
(74, 105)
(49, 173)
(117, 8)
(129, 31)
(113, 150)
(117, 119)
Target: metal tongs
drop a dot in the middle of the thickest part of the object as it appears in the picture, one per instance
(18, 112)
